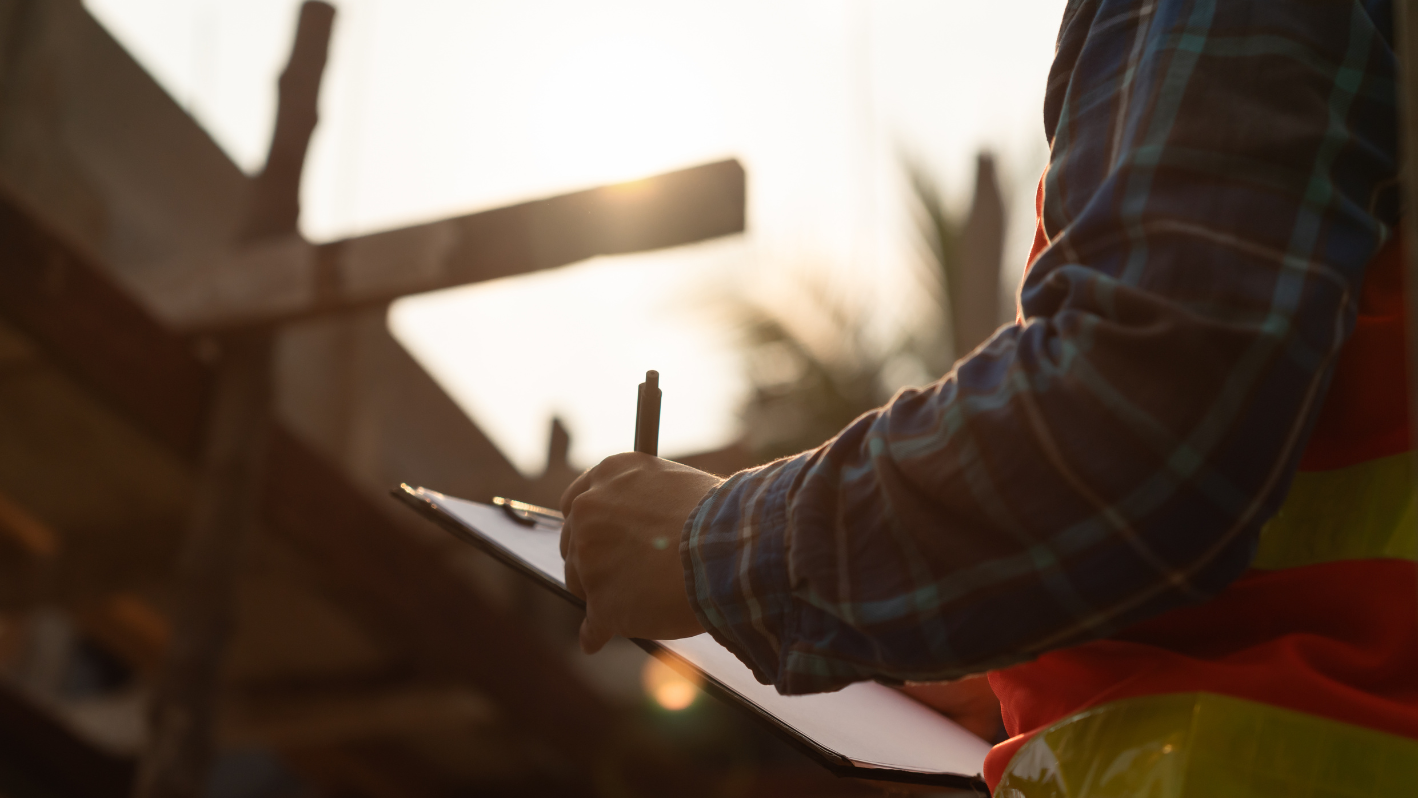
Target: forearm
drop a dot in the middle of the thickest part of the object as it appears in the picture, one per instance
(1114, 455)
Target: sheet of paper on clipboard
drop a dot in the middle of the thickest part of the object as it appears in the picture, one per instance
(867, 730)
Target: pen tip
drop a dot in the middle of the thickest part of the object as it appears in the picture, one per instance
(652, 377)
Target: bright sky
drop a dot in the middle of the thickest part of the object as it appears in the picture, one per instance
(432, 108)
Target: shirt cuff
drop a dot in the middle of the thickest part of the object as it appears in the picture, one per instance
(735, 554)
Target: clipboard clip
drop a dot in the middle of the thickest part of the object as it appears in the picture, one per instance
(528, 515)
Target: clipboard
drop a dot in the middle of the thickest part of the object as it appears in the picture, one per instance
(866, 730)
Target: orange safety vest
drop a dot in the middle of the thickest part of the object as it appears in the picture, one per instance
(1300, 678)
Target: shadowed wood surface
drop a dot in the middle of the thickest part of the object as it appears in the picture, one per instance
(40, 756)
(399, 584)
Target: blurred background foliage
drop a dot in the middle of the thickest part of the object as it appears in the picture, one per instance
(811, 375)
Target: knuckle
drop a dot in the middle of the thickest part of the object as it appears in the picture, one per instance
(582, 507)
(622, 462)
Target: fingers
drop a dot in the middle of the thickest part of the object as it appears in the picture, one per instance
(593, 636)
(568, 497)
(577, 487)
(603, 472)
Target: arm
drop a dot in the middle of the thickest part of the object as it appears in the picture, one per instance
(1214, 193)
(1211, 203)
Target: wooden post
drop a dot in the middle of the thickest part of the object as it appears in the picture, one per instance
(228, 500)
(225, 508)
(975, 310)
(275, 206)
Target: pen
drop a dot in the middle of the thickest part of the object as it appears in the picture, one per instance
(647, 415)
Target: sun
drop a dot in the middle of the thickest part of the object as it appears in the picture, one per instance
(623, 107)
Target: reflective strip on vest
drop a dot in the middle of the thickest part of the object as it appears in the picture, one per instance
(1202, 745)
(1365, 511)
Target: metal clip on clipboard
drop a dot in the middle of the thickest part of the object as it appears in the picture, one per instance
(528, 515)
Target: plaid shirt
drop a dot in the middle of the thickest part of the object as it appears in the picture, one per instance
(1221, 174)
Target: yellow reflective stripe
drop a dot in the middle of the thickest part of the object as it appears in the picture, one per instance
(1361, 512)
(1203, 745)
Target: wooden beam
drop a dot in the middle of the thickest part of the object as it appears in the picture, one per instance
(288, 278)
(225, 511)
(227, 504)
(975, 300)
(118, 532)
(326, 720)
(98, 149)
(356, 395)
(22, 530)
(275, 197)
(331, 729)
(97, 334)
(394, 580)
(129, 626)
(41, 756)
(402, 588)
(369, 770)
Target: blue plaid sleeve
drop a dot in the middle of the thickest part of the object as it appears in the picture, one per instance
(1220, 175)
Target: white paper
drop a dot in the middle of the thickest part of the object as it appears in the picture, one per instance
(870, 724)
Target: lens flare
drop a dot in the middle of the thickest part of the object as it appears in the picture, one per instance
(667, 686)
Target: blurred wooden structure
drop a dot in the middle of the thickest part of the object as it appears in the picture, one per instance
(370, 655)
(976, 310)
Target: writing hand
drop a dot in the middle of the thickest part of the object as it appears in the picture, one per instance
(621, 545)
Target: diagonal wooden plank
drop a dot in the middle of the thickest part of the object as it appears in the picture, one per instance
(98, 334)
(99, 149)
(404, 591)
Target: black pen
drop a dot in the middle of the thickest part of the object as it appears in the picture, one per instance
(647, 415)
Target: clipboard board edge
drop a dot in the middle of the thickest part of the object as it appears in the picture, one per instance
(833, 762)
(409, 495)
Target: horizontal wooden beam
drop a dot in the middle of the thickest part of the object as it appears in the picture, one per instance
(289, 278)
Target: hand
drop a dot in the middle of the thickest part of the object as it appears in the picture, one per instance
(970, 702)
(621, 545)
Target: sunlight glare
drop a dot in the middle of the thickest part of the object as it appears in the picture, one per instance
(667, 686)
(623, 107)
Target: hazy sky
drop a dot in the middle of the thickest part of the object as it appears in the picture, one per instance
(432, 108)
